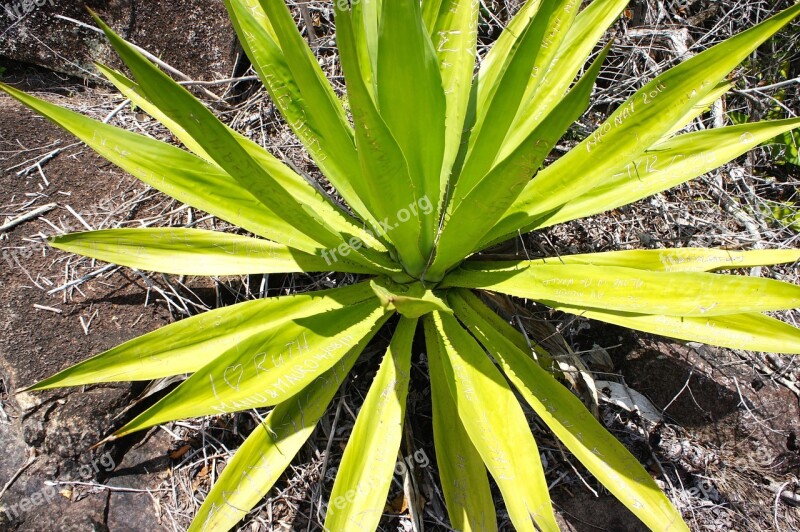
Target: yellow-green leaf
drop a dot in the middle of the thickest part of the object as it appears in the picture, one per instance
(218, 142)
(496, 425)
(492, 67)
(306, 191)
(541, 96)
(265, 454)
(473, 212)
(365, 473)
(183, 176)
(666, 165)
(642, 120)
(190, 344)
(703, 105)
(462, 473)
(572, 423)
(195, 252)
(221, 144)
(300, 91)
(266, 368)
(681, 259)
(454, 31)
(628, 289)
(527, 61)
(750, 331)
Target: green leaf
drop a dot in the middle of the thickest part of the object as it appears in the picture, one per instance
(453, 27)
(265, 454)
(527, 61)
(541, 96)
(300, 91)
(628, 289)
(194, 252)
(750, 331)
(496, 425)
(473, 212)
(643, 119)
(410, 300)
(571, 422)
(307, 192)
(681, 259)
(738, 117)
(462, 473)
(666, 165)
(216, 139)
(785, 148)
(266, 368)
(365, 473)
(388, 186)
(183, 176)
(785, 213)
(189, 344)
(409, 82)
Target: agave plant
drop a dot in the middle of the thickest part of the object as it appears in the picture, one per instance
(436, 164)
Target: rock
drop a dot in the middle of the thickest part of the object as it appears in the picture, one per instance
(194, 36)
(15, 456)
(144, 466)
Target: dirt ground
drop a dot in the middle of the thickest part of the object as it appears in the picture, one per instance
(51, 432)
(722, 442)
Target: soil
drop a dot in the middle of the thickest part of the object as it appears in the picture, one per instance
(729, 430)
(60, 427)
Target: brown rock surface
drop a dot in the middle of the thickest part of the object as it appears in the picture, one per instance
(193, 36)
